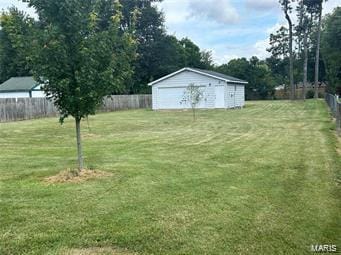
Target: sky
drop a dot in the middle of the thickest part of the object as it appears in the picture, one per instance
(228, 28)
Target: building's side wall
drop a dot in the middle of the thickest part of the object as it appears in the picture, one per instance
(229, 95)
(154, 97)
(38, 93)
(14, 94)
(240, 96)
(235, 95)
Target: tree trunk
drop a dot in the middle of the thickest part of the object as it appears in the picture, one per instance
(193, 111)
(305, 64)
(317, 57)
(79, 144)
(291, 69)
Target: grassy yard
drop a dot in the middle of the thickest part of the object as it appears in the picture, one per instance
(261, 180)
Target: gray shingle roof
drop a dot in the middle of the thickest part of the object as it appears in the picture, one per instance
(15, 84)
(217, 75)
(220, 75)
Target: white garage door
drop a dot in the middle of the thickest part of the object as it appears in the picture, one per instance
(171, 98)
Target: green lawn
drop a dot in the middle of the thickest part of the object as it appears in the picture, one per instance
(261, 180)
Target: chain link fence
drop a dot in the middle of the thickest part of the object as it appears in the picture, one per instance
(334, 104)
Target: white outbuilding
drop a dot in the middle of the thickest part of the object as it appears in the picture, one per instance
(21, 87)
(219, 90)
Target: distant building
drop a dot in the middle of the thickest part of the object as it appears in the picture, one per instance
(21, 87)
(220, 91)
(280, 87)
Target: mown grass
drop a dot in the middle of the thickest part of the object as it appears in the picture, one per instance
(261, 180)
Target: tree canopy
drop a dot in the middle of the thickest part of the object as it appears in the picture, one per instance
(81, 55)
(16, 28)
(331, 49)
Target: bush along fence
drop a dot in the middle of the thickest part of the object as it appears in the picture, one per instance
(334, 104)
(12, 109)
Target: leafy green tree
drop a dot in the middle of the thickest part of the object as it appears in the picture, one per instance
(16, 28)
(279, 43)
(80, 57)
(149, 33)
(206, 60)
(192, 54)
(261, 82)
(331, 50)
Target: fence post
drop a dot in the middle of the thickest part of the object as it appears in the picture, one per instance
(338, 118)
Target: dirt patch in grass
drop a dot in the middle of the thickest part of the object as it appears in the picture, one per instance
(74, 176)
(90, 135)
(97, 251)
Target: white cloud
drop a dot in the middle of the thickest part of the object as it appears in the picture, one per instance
(275, 27)
(261, 5)
(260, 48)
(219, 11)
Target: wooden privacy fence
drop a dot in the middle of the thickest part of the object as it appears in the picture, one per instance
(335, 108)
(12, 109)
(285, 94)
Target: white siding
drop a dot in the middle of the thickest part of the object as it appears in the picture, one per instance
(230, 96)
(172, 98)
(235, 95)
(154, 97)
(14, 94)
(38, 93)
(240, 96)
(179, 82)
(220, 99)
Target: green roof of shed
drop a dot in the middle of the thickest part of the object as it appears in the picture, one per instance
(19, 84)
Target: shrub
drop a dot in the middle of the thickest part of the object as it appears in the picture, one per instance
(309, 94)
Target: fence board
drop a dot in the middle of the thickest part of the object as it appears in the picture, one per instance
(12, 109)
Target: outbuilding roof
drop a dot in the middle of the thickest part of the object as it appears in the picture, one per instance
(209, 73)
(19, 84)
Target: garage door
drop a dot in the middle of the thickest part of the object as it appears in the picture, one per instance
(170, 98)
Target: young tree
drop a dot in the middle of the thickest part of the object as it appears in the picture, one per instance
(16, 28)
(193, 96)
(287, 8)
(80, 57)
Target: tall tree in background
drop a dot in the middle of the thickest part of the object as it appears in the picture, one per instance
(81, 54)
(315, 7)
(331, 50)
(149, 32)
(303, 28)
(279, 60)
(16, 27)
(261, 82)
(287, 8)
(279, 43)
